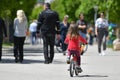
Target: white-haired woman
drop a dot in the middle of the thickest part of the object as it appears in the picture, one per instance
(20, 28)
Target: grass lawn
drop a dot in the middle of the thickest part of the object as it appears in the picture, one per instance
(7, 44)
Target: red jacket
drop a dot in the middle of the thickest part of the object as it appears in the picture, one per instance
(74, 43)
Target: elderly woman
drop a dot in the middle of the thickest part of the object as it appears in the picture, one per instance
(20, 28)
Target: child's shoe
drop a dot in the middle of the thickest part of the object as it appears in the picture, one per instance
(79, 69)
(68, 60)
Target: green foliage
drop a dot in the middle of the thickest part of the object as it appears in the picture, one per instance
(35, 12)
(74, 8)
(71, 8)
(114, 11)
(7, 44)
(8, 8)
(59, 8)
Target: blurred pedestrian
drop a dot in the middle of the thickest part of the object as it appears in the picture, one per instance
(64, 25)
(82, 25)
(48, 22)
(3, 30)
(32, 29)
(20, 28)
(101, 31)
(90, 33)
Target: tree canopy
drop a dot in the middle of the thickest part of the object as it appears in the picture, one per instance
(8, 8)
(74, 8)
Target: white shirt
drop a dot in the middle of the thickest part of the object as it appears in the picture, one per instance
(101, 23)
(33, 27)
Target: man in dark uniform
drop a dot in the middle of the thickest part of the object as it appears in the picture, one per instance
(2, 30)
(48, 22)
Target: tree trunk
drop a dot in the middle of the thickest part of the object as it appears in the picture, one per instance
(118, 31)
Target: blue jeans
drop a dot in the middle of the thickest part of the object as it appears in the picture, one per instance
(33, 37)
(64, 46)
(82, 34)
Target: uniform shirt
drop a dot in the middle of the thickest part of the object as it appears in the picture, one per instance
(33, 27)
(48, 22)
(20, 28)
(101, 23)
(74, 43)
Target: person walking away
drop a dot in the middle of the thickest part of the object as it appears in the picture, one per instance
(20, 28)
(48, 22)
(90, 32)
(101, 31)
(73, 39)
(64, 25)
(32, 29)
(3, 30)
(82, 25)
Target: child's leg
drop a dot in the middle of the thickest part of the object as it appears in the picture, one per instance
(69, 53)
(68, 56)
(78, 58)
(78, 62)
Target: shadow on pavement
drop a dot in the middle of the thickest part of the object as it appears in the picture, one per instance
(28, 54)
(29, 61)
(92, 76)
(25, 61)
(58, 62)
(29, 50)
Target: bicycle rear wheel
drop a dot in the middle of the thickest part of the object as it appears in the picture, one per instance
(72, 68)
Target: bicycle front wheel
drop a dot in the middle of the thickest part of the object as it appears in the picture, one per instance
(72, 68)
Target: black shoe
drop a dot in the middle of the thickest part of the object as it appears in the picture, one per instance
(46, 62)
(0, 59)
(21, 60)
(16, 59)
(50, 61)
(79, 69)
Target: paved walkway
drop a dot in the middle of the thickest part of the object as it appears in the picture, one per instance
(94, 67)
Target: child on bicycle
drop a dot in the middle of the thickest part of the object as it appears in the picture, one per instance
(73, 40)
